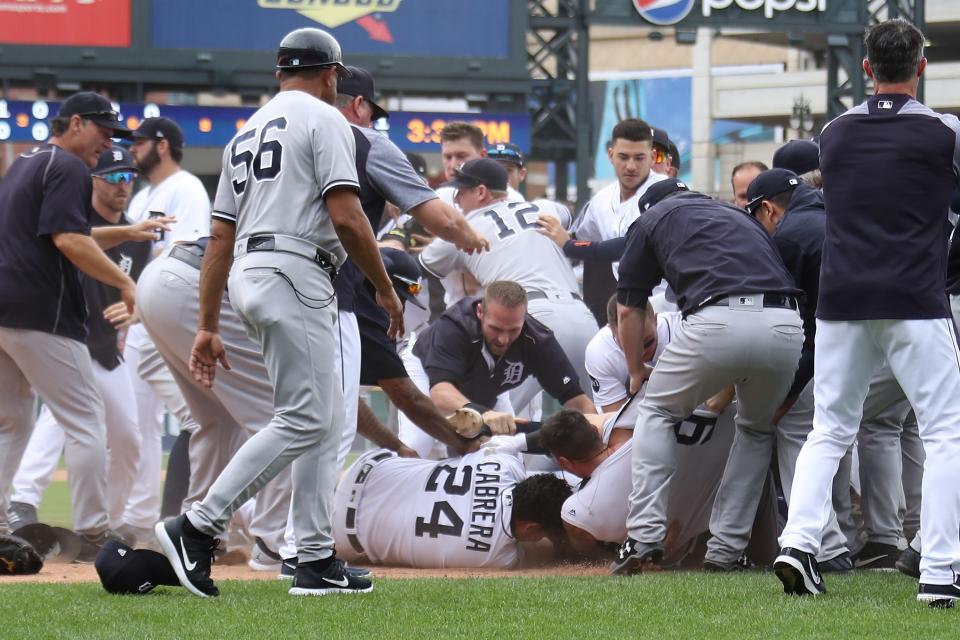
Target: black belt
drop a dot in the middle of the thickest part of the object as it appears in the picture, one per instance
(190, 253)
(350, 515)
(774, 300)
(269, 243)
(536, 294)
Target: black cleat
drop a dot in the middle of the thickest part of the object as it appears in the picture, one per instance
(799, 573)
(190, 553)
(632, 555)
(909, 562)
(310, 580)
(939, 596)
(876, 555)
(289, 567)
(837, 564)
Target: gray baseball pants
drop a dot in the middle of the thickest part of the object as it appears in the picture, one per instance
(288, 306)
(755, 348)
(61, 372)
(241, 401)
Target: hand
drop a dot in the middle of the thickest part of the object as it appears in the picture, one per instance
(477, 243)
(147, 229)
(390, 303)
(500, 423)
(406, 452)
(118, 315)
(638, 380)
(514, 444)
(721, 400)
(551, 227)
(128, 296)
(418, 243)
(206, 352)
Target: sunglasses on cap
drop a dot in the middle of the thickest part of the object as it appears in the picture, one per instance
(412, 287)
(118, 177)
(659, 156)
(113, 115)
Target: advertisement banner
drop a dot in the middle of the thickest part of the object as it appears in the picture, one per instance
(81, 23)
(452, 28)
(25, 121)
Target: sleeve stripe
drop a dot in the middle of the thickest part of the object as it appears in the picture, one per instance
(428, 269)
(339, 183)
(222, 215)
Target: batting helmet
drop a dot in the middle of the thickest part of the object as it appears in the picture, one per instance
(404, 272)
(310, 48)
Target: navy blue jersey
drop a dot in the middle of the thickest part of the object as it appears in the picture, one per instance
(704, 249)
(46, 191)
(889, 168)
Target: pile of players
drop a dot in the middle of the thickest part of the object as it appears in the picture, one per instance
(684, 417)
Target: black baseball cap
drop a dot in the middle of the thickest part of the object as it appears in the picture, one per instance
(506, 151)
(674, 155)
(661, 138)
(483, 171)
(133, 571)
(660, 190)
(404, 272)
(114, 159)
(360, 83)
(418, 163)
(799, 156)
(95, 108)
(768, 184)
(160, 128)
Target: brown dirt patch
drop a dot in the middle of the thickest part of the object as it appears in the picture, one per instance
(70, 573)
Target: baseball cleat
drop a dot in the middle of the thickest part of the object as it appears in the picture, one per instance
(717, 566)
(190, 553)
(289, 567)
(20, 514)
(466, 422)
(909, 562)
(876, 555)
(263, 558)
(837, 564)
(799, 573)
(632, 555)
(939, 596)
(310, 580)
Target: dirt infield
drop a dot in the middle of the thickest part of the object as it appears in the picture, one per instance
(69, 573)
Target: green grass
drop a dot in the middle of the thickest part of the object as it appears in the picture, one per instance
(667, 605)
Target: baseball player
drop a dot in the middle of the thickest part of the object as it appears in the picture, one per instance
(740, 326)
(510, 157)
(287, 198)
(517, 254)
(476, 511)
(631, 154)
(741, 177)
(45, 201)
(666, 156)
(112, 183)
(170, 191)
(887, 301)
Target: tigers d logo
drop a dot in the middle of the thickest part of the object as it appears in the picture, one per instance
(333, 13)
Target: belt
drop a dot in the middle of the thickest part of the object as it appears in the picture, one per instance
(536, 294)
(754, 300)
(355, 486)
(288, 244)
(191, 253)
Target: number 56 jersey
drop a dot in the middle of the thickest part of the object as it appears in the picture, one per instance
(427, 513)
(280, 165)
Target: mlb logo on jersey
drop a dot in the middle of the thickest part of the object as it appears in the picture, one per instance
(663, 12)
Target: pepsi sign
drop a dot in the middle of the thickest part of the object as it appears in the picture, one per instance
(663, 12)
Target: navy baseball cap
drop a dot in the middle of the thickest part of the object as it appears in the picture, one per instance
(404, 272)
(134, 571)
(360, 83)
(660, 190)
(418, 163)
(114, 159)
(506, 151)
(160, 128)
(768, 184)
(95, 108)
(799, 156)
(485, 171)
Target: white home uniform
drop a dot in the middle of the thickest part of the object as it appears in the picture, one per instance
(604, 215)
(428, 514)
(600, 505)
(519, 254)
(606, 363)
(181, 195)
